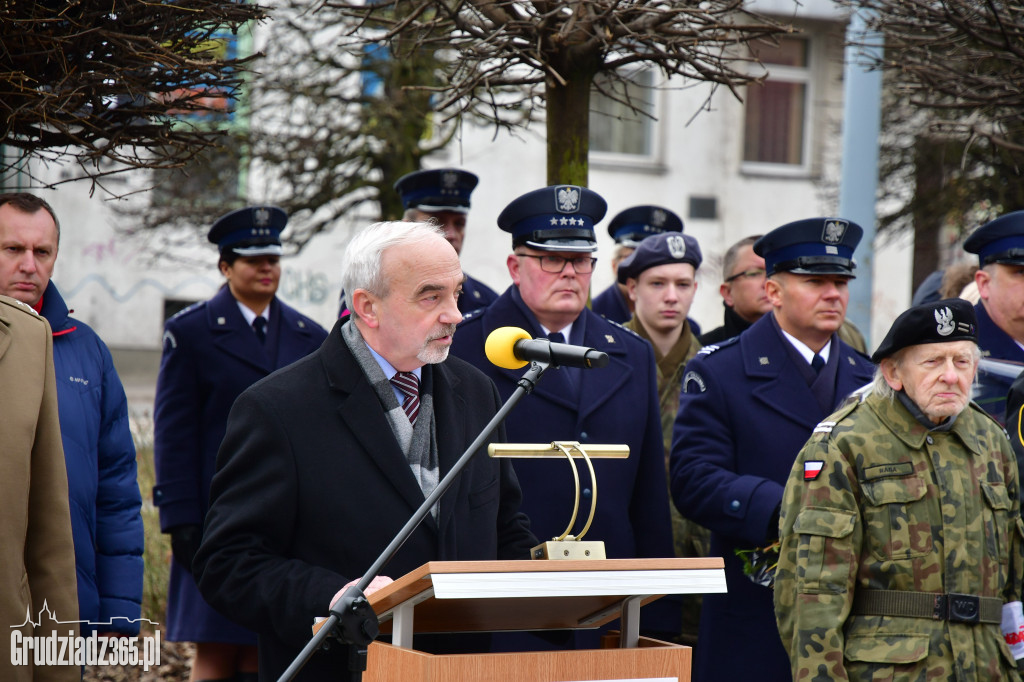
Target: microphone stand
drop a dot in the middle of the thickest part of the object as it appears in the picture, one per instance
(352, 618)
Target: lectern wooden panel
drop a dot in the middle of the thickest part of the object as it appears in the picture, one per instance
(534, 595)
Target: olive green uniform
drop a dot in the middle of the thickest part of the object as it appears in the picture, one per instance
(897, 506)
(690, 539)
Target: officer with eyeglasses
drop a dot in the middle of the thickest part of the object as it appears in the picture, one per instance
(742, 291)
(551, 264)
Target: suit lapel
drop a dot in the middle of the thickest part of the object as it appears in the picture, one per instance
(779, 387)
(449, 408)
(601, 385)
(232, 335)
(360, 410)
(5, 334)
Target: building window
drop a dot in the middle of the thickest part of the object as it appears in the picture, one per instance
(776, 130)
(615, 128)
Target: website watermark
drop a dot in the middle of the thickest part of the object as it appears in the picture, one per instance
(95, 649)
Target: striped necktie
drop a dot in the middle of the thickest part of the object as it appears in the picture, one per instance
(409, 385)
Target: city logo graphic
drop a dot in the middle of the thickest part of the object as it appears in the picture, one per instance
(71, 649)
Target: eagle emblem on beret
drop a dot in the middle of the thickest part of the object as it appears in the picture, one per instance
(676, 246)
(567, 198)
(834, 231)
(944, 321)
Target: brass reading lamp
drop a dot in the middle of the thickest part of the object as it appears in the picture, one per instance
(567, 546)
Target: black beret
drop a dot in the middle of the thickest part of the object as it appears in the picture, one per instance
(441, 189)
(555, 218)
(815, 246)
(950, 319)
(250, 231)
(633, 225)
(999, 241)
(660, 249)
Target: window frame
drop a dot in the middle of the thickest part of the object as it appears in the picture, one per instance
(653, 159)
(806, 76)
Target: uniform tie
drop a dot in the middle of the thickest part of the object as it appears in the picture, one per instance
(259, 325)
(556, 337)
(409, 385)
(817, 362)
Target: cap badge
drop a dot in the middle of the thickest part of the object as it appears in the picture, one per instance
(450, 180)
(658, 217)
(676, 246)
(944, 318)
(261, 217)
(568, 198)
(834, 231)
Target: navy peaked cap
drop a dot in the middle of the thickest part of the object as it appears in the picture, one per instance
(555, 218)
(660, 249)
(999, 241)
(250, 231)
(634, 224)
(951, 319)
(441, 189)
(815, 246)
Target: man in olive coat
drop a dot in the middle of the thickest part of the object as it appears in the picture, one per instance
(37, 554)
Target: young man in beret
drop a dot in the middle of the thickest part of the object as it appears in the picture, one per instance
(748, 406)
(901, 547)
(660, 277)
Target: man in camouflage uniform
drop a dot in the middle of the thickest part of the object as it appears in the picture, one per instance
(660, 277)
(900, 524)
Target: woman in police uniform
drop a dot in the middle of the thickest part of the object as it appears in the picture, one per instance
(213, 351)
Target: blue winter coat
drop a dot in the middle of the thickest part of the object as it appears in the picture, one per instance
(744, 414)
(210, 356)
(102, 483)
(991, 390)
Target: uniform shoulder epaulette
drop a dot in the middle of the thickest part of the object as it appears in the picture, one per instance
(198, 305)
(19, 305)
(622, 327)
(471, 315)
(839, 415)
(715, 347)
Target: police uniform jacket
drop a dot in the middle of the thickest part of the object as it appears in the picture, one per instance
(210, 356)
(613, 404)
(102, 478)
(37, 556)
(745, 412)
(996, 345)
(611, 304)
(312, 485)
(877, 501)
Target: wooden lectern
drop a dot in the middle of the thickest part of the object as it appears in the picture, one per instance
(491, 596)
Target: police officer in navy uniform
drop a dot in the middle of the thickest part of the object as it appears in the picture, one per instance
(999, 245)
(443, 194)
(551, 265)
(748, 405)
(628, 228)
(212, 351)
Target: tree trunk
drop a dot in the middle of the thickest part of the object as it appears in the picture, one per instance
(929, 172)
(568, 129)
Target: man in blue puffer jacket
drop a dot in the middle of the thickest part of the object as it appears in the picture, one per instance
(98, 448)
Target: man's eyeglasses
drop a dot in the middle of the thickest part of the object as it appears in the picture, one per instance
(747, 274)
(583, 265)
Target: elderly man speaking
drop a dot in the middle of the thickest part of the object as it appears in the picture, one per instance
(901, 544)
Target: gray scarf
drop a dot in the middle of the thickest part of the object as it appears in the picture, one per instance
(419, 443)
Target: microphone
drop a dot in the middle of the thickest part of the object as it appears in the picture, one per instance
(512, 348)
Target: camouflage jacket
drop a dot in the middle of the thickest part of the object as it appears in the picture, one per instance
(877, 501)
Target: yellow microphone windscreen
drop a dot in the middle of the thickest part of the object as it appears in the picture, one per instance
(500, 347)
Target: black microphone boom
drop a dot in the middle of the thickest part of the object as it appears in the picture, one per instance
(559, 354)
